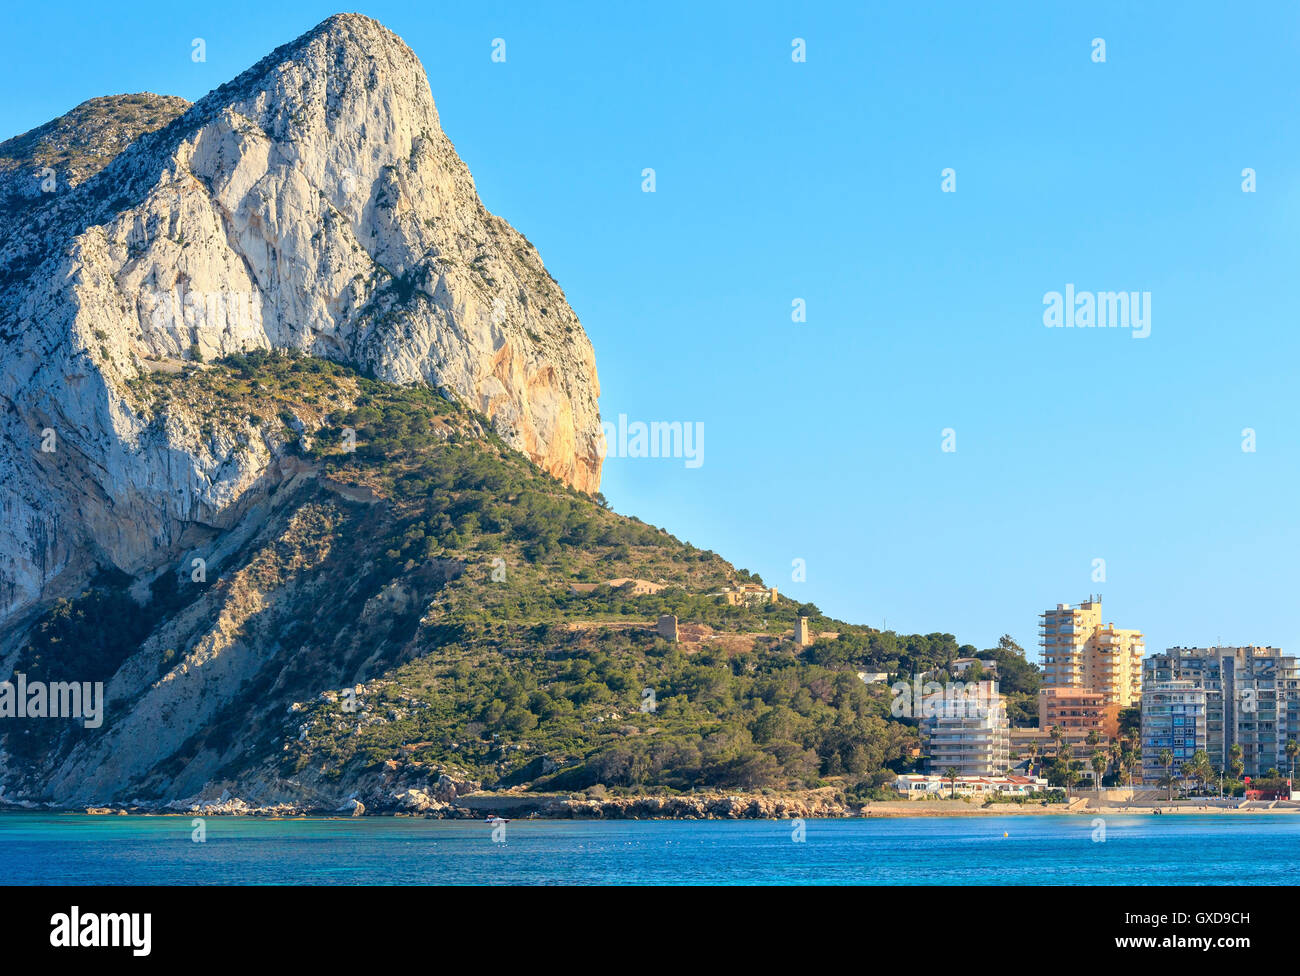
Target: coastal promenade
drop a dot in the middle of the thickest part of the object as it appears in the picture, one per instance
(1084, 803)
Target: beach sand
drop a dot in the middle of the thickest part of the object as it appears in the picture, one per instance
(1080, 805)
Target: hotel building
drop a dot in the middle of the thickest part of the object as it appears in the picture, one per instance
(1083, 654)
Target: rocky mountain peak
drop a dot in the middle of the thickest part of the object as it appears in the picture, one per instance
(312, 204)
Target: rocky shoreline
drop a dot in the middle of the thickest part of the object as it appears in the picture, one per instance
(478, 805)
(445, 798)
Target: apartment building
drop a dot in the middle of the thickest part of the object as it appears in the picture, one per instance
(966, 732)
(1083, 653)
(1037, 748)
(1173, 718)
(1077, 710)
(1252, 699)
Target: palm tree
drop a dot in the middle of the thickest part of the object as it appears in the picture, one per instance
(1202, 767)
(950, 774)
(1094, 737)
(1167, 779)
(1071, 776)
(1126, 756)
(1292, 750)
(1166, 760)
(1099, 763)
(1033, 754)
(1118, 757)
(1058, 736)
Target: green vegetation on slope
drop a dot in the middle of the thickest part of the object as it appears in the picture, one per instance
(565, 709)
(482, 659)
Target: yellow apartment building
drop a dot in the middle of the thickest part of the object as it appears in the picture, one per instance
(1082, 653)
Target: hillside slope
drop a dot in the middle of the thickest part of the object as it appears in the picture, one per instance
(428, 566)
(67, 151)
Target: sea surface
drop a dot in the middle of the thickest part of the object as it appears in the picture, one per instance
(1043, 850)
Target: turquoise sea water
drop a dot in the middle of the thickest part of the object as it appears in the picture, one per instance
(80, 849)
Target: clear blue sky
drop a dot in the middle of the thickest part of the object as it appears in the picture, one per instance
(821, 181)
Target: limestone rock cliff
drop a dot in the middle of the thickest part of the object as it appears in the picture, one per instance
(311, 204)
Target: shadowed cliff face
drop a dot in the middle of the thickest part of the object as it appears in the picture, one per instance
(311, 204)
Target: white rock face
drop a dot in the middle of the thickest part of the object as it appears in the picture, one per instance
(313, 203)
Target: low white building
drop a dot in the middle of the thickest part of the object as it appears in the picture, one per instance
(961, 665)
(930, 786)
